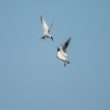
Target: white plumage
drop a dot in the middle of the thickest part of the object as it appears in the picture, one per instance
(46, 29)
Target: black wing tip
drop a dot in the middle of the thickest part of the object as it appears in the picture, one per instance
(66, 43)
(69, 39)
(41, 17)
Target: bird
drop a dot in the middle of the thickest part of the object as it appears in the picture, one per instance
(61, 52)
(46, 29)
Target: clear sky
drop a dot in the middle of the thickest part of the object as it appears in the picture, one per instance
(32, 78)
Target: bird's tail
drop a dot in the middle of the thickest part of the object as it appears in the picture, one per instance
(66, 62)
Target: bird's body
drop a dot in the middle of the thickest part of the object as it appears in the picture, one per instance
(46, 34)
(61, 52)
(46, 29)
(61, 56)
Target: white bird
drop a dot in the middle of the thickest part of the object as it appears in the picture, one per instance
(61, 52)
(46, 29)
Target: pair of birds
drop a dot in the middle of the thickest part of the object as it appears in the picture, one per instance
(61, 52)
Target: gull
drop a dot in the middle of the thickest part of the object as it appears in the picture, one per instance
(61, 52)
(46, 29)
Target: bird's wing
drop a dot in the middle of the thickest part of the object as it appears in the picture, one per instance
(65, 45)
(51, 26)
(44, 24)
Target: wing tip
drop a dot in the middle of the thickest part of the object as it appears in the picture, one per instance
(69, 39)
(40, 17)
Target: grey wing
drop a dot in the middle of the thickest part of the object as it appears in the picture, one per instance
(44, 24)
(65, 45)
(51, 26)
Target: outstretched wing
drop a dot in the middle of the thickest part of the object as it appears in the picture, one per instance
(44, 24)
(51, 26)
(65, 45)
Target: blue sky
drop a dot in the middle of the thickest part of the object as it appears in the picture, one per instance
(31, 77)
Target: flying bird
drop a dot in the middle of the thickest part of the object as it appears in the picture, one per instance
(61, 52)
(46, 29)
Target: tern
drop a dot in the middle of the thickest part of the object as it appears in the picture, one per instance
(61, 52)
(46, 29)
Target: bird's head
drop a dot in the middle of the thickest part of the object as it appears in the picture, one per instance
(58, 49)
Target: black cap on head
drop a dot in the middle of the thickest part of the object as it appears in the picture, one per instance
(58, 49)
